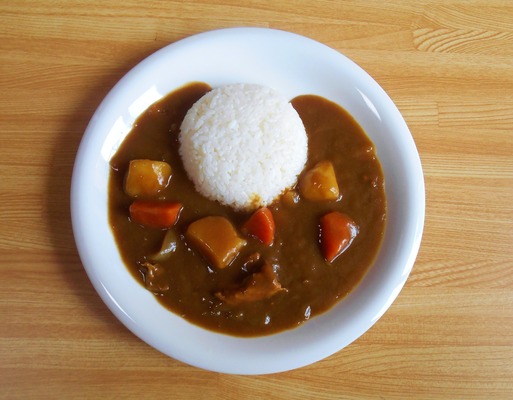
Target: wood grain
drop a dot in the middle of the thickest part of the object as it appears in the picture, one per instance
(448, 65)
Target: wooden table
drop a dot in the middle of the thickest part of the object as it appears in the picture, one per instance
(448, 65)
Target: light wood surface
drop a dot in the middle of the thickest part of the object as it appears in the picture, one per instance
(448, 65)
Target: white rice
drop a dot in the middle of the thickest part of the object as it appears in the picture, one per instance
(243, 145)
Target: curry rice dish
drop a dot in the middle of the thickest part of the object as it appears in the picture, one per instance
(256, 267)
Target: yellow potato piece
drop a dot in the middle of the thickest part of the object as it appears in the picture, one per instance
(147, 178)
(319, 183)
(216, 239)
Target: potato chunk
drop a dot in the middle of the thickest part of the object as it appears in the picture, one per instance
(146, 178)
(319, 183)
(259, 286)
(216, 239)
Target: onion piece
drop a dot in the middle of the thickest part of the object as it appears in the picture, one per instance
(167, 248)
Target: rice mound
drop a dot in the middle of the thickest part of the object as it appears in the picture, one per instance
(243, 145)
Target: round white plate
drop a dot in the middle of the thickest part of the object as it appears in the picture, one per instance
(293, 65)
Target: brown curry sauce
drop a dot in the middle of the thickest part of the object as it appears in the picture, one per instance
(313, 285)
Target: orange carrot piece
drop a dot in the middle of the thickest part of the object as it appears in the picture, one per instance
(155, 214)
(261, 225)
(337, 233)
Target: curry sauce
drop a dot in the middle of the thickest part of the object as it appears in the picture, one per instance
(187, 284)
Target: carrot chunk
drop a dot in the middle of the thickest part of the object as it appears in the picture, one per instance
(261, 226)
(337, 233)
(155, 214)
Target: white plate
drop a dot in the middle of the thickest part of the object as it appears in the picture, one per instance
(293, 65)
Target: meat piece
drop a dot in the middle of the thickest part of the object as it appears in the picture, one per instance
(216, 239)
(251, 261)
(155, 278)
(258, 286)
